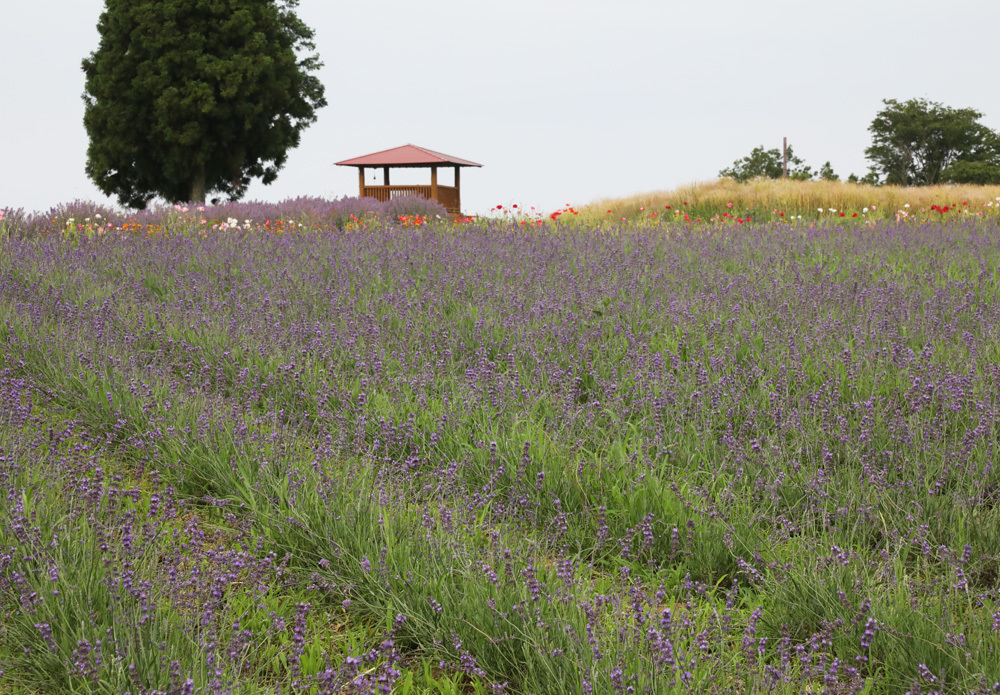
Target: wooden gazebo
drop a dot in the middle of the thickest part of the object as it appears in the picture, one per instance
(410, 156)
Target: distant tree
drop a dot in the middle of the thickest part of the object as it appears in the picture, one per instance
(767, 164)
(920, 142)
(184, 97)
(984, 173)
(870, 179)
(826, 173)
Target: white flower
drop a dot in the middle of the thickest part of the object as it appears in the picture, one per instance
(906, 205)
(819, 209)
(98, 215)
(864, 210)
(832, 209)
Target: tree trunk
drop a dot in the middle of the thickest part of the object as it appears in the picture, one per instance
(198, 185)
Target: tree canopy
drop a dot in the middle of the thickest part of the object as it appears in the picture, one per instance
(920, 142)
(186, 97)
(768, 164)
(826, 172)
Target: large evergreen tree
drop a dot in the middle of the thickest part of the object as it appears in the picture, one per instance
(184, 97)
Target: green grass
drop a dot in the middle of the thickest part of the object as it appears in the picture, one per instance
(647, 430)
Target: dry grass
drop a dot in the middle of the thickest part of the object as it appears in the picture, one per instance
(762, 196)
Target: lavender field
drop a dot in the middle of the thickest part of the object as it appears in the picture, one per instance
(494, 459)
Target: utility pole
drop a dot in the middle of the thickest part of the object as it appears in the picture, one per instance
(784, 158)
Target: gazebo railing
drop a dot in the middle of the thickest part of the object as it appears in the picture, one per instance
(446, 195)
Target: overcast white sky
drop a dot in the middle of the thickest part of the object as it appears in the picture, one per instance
(561, 101)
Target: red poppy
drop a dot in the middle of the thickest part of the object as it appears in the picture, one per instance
(841, 214)
(854, 215)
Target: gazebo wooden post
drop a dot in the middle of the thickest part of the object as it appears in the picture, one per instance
(434, 183)
(385, 176)
(361, 182)
(458, 190)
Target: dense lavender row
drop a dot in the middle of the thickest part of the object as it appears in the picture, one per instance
(84, 218)
(640, 460)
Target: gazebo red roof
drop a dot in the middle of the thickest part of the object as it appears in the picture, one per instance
(406, 156)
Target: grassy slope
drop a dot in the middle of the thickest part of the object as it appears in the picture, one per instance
(760, 198)
(697, 409)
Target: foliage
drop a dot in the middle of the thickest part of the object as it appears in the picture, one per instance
(871, 178)
(920, 142)
(764, 199)
(826, 173)
(82, 218)
(761, 163)
(981, 173)
(414, 205)
(184, 97)
(501, 458)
